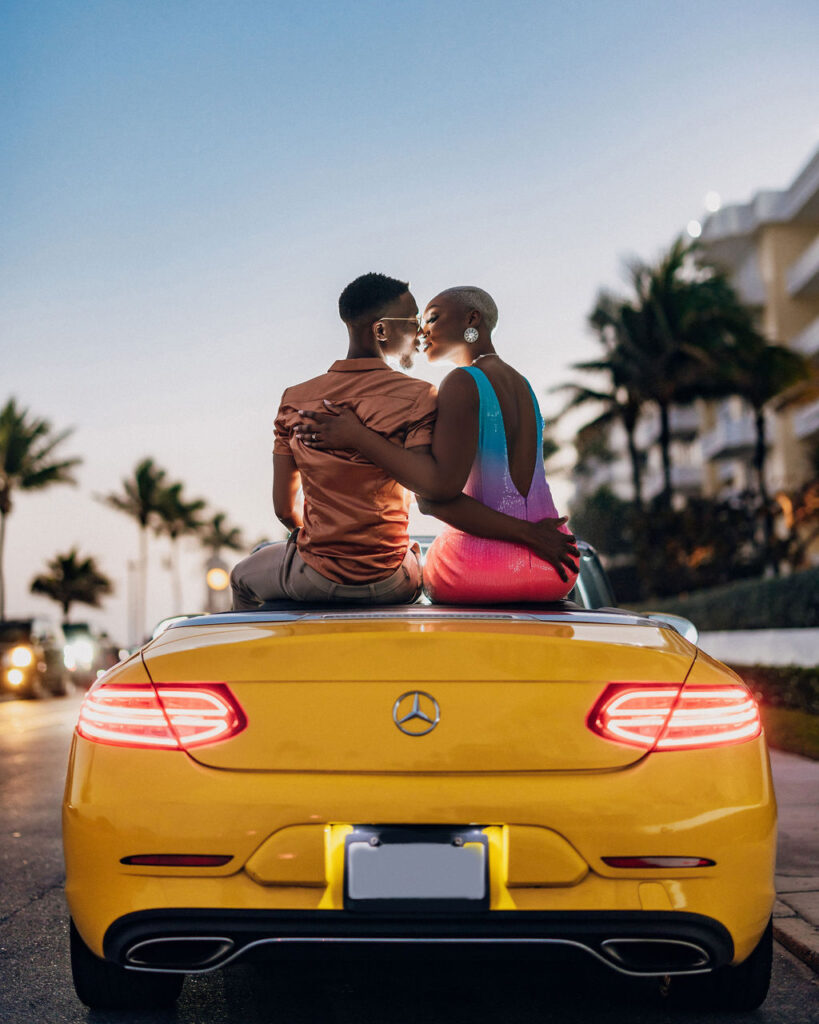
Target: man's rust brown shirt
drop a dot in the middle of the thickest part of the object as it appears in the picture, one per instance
(355, 515)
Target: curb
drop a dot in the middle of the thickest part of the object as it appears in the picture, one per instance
(799, 938)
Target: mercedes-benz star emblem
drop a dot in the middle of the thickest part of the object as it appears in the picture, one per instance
(416, 713)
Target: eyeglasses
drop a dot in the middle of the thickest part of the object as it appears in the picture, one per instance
(417, 320)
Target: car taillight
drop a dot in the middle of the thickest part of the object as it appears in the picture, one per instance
(201, 714)
(165, 716)
(672, 717)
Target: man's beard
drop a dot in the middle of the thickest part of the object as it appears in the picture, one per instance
(406, 361)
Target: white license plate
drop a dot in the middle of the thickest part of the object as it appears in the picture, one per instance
(416, 871)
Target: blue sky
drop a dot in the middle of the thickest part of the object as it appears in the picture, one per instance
(187, 186)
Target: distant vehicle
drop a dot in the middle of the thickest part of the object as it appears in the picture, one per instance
(32, 658)
(89, 650)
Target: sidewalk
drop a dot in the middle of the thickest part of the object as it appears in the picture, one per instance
(763, 646)
(796, 913)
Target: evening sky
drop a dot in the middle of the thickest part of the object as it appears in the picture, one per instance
(187, 186)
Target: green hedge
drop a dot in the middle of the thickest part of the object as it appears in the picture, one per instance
(794, 731)
(783, 686)
(781, 602)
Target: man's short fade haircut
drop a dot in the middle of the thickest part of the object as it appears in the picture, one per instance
(368, 295)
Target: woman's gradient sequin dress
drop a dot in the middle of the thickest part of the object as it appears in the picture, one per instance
(462, 569)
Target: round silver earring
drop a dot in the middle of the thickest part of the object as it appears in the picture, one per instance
(471, 335)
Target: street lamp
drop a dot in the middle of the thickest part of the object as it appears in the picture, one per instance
(217, 582)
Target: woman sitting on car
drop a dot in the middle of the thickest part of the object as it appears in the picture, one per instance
(486, 451)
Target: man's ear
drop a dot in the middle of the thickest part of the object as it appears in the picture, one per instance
(379, 332)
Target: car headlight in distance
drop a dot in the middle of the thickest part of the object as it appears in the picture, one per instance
(15, 676)
(21, 657)
(82, 652)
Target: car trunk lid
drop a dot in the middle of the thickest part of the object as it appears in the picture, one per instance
(332, 694)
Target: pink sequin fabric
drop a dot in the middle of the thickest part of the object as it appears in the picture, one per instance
(462, 569)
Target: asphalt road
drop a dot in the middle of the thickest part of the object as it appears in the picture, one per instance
(35, 978)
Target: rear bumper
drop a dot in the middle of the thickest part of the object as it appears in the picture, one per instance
(631, 942)
(716, 804)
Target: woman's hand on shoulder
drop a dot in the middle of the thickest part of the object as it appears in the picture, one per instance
(337, 428)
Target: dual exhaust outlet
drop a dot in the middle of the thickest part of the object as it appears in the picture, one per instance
(199, 954)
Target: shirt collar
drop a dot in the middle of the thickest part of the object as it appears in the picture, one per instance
(358, 365)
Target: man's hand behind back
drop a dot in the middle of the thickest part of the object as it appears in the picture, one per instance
(546, 539)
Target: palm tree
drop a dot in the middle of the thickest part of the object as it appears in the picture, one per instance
(622, 401)
(617, 407)
(71, 580)
(218, 534)
(27, 463)
(177, 518)
(682, 315)
(140, 499)
(757, 371)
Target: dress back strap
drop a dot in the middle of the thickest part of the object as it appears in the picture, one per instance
(491, 431)
(538, 416)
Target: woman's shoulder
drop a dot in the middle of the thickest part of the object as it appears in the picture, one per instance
(460, 385)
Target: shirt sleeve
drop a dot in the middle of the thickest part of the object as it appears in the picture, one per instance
(422, 419)
(282, 430)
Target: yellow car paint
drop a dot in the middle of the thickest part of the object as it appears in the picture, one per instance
(552, 798)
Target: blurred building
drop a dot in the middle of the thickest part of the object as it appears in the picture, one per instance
(604, 462)
(770, 249)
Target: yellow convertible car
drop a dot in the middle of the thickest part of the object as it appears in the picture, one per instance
(544, 777)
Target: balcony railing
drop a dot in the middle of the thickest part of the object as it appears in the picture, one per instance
(806, 421)
(730, 439)
(803, 275)
(683, 423)
(684, 480)
(807, 341)
(614, 475)
(748, 281)
(725, 472)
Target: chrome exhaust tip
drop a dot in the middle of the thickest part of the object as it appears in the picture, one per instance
(656, 956)
(179, 953)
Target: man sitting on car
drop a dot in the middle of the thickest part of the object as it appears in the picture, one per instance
(349, 541)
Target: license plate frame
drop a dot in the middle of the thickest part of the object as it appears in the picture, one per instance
(384, 868)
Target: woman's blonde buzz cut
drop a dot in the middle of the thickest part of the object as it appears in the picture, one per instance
(475, 298)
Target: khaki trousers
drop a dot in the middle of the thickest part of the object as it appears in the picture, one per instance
(278, 571)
